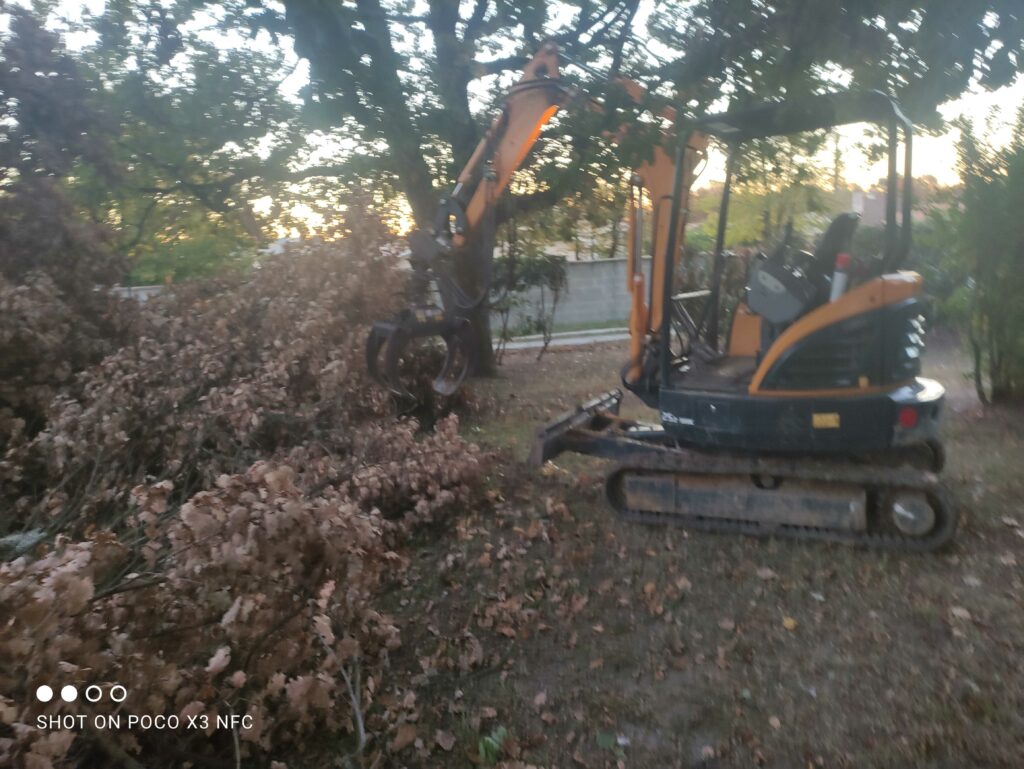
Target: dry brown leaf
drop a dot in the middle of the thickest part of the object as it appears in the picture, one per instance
(789, 623)
(405, 736)
(446, 740)
(775, 722)
(540, 700)
(219, 661)
(960, 613)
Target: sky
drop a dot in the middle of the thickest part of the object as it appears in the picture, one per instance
(992, 114)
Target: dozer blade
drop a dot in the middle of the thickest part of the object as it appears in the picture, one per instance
(388, 343)
(551, 439)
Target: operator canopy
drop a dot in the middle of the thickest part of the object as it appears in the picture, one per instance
(809, 113)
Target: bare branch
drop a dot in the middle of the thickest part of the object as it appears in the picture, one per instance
(485, 68)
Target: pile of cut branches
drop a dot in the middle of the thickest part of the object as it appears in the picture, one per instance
(223, 500)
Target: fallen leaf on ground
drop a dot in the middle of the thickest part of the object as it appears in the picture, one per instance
(597, 664)
(727, 624)
(404, 737)
(766, 574)
(775, 722)
(445, 739)
(960, 613)
(540, 699)
(789, 623)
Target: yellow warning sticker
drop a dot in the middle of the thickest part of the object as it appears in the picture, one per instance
(825, 421)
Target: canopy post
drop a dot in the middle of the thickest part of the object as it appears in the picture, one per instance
(712, 310)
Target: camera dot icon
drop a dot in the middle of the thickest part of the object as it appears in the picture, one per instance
(44, 693)
(69, 693)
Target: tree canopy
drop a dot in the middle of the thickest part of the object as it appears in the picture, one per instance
(224, 117)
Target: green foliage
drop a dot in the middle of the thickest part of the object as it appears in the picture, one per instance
(489, 747)
(991, 242)
(700, 240)
(608, 741)
(530, 284)
(207, 138)
(53, 321)
(924, 52)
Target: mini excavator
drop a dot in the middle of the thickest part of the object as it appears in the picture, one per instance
(808, 418)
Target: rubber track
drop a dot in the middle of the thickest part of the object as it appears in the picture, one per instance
(876, 480)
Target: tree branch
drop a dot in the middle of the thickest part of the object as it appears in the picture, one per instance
(485, 68)
(474, 26)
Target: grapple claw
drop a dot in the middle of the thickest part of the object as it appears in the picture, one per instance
(389, 340)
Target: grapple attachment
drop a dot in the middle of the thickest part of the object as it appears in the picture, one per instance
(389, 341)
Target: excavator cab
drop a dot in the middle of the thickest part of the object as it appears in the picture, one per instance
(808, 417)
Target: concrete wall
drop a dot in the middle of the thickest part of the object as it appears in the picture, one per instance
(595, 294)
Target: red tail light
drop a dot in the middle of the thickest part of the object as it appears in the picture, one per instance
(908, 417)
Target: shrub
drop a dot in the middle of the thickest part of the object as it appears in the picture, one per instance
(993, 248)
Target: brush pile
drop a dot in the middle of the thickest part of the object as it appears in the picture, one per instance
(219, 503)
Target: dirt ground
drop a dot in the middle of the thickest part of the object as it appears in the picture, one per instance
(545, 631)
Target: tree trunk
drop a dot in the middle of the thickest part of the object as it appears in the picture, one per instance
(979, 384)
(475, 268)
(615, 233)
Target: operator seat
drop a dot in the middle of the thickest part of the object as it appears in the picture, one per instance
(837, 239)
(781, 293)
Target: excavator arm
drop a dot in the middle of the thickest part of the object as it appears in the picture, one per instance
(463, 232)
